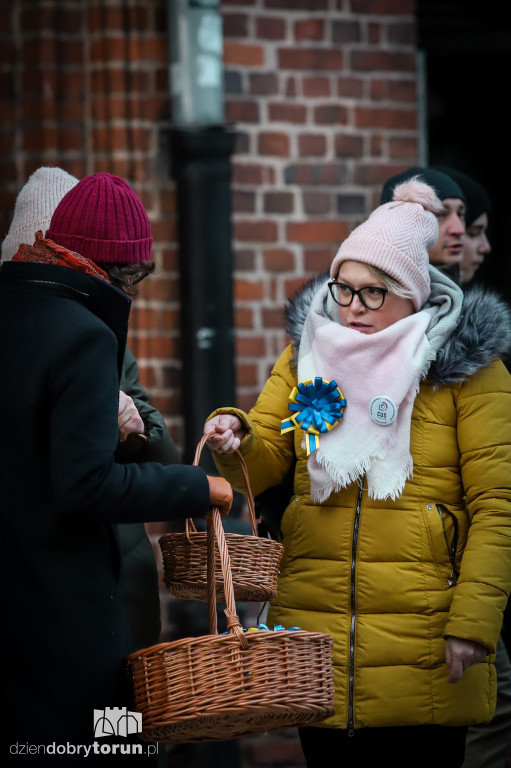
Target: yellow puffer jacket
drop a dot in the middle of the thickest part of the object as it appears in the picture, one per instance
(389, 580)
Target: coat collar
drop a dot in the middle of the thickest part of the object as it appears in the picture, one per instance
(482, 334)
(105, 301)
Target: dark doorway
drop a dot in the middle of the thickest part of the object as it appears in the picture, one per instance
(467, 48)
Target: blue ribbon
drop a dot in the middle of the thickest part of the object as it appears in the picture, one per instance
(319, 406)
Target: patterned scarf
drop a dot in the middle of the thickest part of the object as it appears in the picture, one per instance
(47, 252)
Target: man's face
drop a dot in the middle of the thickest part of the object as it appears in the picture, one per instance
(448, 249)
(475, 248)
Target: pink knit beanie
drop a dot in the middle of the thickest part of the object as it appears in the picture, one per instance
(102, 219)
(396, 238)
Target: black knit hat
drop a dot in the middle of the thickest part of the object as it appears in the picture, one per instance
(476, 197)
(443, 185)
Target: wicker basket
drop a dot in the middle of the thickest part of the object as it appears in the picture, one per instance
(219, 687)
(254, 560)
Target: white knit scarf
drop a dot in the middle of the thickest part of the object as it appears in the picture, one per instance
(389, 363)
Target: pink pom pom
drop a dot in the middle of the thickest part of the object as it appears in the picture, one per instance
(416, 191)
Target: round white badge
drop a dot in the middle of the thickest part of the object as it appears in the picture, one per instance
(383, 410)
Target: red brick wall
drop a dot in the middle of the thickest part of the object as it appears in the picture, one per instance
(84, 86)
(323, 94)
(324, 97)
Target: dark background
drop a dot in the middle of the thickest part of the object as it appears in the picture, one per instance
(468, 50)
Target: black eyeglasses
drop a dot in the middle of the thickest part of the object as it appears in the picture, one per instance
(371, 297)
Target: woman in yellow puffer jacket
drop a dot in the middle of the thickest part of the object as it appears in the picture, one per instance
(393, 406)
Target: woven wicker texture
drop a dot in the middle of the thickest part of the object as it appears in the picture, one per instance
(218, 687)
(254, 560)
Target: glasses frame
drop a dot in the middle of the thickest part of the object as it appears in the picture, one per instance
(358, 293)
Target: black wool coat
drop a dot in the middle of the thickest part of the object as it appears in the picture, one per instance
(65, 636)
(140, 580)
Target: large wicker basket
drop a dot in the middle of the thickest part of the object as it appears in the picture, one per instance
(254, 560)
(218, 687)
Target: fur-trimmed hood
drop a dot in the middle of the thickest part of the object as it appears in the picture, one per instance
(482, 334)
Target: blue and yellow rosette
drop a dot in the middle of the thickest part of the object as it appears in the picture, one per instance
(319, 406)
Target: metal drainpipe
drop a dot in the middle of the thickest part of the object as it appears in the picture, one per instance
(201, 147)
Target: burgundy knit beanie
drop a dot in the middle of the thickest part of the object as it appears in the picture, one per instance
(102, 219)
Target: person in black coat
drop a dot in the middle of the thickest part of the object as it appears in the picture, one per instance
(143, 433)
(63, 493)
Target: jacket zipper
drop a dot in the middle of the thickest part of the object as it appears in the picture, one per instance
(354, 541)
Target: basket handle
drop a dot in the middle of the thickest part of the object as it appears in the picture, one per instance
(216, 536)
(189, 524)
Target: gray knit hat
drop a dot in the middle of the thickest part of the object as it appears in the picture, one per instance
(34, 207)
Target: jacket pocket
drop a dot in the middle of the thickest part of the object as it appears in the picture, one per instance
(450, 527)
(444, 535)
